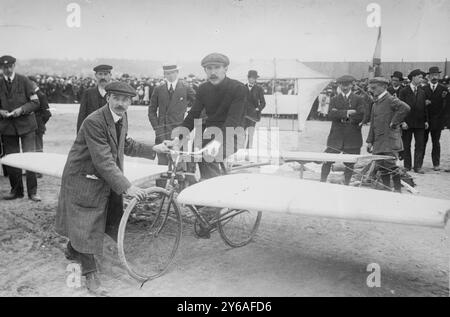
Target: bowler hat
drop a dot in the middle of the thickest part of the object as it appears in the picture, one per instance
(434, 70)
(414, 73)
(215, 59)
(398, 75)
(7, 60)
(120, 88)
(252, 74)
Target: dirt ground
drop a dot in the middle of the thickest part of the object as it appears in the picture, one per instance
(290, 256)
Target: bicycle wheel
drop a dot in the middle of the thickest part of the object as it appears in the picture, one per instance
(237, 227)
(149, 234)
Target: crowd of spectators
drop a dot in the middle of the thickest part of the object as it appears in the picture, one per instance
(70, 89)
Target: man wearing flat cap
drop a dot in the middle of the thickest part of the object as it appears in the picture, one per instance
(415, 123)
(396, 84)
(347, 111)
(168, 105)
(18, 102)
(384, 137)
(94, 98)
(90, 201)
(436, 94)
(224, 102)
(255, 104)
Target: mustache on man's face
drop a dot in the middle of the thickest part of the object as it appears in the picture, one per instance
(213, 77)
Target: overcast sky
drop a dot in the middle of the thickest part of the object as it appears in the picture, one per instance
(319, 30)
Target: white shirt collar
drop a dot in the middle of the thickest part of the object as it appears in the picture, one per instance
(433, 86)
(101, 91)
(346, 95)
(114, 115)
(382, 95)
(413, 87)
(174, 84)
(12, 76)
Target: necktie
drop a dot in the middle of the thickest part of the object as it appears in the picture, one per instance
(9, 82)
(118, 129)
(170, 91)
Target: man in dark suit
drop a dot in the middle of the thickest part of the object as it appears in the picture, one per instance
(90, 201)
(168, 106)
(223, 100)
(347, 111)
(415, 123)
(42, 115)
(94, 98)
(436, 94)
(396, 84)
(255, 104)
(18, 102)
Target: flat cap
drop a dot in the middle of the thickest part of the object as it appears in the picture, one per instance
(214, 59)
(7, 60)
(415, 72)
(120, 88)
(345, 79)
(103, 68)
(379, 80)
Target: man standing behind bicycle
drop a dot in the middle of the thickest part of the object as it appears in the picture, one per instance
(223, 100)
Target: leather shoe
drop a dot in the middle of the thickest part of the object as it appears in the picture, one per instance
(94, 286)
(419, 171)
(71, 254)
(12, 196)
(436, 168)
(35, 198)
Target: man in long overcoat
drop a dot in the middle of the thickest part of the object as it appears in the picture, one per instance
(385, 134)
(93, 182)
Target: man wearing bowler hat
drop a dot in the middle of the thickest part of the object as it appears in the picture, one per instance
(90, 201)
(168, 106)
(436, 94)
(94, 98)
(396, 84)
(18, 102)
(347, 111)
(255, 104)
(416, 122)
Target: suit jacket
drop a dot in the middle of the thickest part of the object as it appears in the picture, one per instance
(90, 101)
(418, 114)
(436, 110)
(345, 132)
(93, 169)
(255, 104)
(165, 113)
(43, 114)
(22, 94)
(393, 91)
(385, 132)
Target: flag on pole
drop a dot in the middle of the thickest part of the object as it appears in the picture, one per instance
(375, 69)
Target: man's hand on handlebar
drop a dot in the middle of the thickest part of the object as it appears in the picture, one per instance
(136, 192)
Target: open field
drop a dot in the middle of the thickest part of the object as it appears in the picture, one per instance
(290, 256)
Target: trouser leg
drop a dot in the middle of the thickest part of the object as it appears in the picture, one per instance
(28, 145)
(11, 145)
(425, 140)
(419, 139)
(87, 260)
(39, 142)
(406, 153)
(250, 135)
(349, 167)
(162, 157)
(436, 151)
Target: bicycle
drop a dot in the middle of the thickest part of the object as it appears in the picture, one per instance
(156, 222)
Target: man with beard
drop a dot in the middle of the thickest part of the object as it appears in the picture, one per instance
(94, 98)
(346, 113)
(90, 201)
(436, 94)
(396, 84)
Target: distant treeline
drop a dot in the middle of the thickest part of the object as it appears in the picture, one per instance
(149, 68)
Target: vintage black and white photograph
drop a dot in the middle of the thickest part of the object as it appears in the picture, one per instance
(224, 149)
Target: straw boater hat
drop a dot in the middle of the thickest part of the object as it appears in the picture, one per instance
(170, 67)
